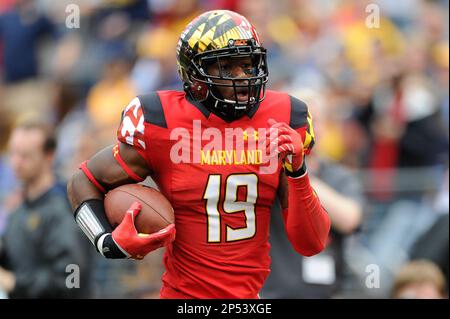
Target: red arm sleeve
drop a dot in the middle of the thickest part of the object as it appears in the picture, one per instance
(307, 223)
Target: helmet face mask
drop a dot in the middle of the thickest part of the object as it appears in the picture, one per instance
(228, 95)
(252, 81)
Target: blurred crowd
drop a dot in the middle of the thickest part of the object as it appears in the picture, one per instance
(376, 71)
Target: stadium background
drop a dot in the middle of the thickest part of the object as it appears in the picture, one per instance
(383, 83)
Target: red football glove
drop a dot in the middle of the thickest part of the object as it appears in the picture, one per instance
(288, 144)
(137, 245)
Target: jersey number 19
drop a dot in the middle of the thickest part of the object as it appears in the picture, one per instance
(231, 205)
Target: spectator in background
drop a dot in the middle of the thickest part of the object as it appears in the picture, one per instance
(106, 99)
(21, 28)
(41, 238)
(420, 279)
(154, 67)
(320, 276)
(133, 10)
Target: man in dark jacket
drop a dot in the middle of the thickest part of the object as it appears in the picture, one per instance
(42, 252)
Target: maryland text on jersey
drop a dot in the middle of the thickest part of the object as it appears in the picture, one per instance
(211, 146)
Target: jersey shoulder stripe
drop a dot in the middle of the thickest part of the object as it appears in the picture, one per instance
(299, 113)
(301, 119)
(153, 109)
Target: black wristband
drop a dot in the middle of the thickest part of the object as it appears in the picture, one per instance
(300, 172)
(111, 250)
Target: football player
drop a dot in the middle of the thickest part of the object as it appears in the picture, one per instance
(222, 201)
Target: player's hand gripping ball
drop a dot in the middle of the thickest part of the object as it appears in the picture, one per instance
(142, 218)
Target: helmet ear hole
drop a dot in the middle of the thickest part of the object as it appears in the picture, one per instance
(199, 90)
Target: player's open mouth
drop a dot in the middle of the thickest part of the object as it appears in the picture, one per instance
(242, 94)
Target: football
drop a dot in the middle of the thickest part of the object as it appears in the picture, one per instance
(156, 212)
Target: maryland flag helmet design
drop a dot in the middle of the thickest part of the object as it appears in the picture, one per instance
(210, 38)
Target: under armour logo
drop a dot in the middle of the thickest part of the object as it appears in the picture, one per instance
(254, 133)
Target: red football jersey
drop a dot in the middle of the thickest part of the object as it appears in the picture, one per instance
(218, 189)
